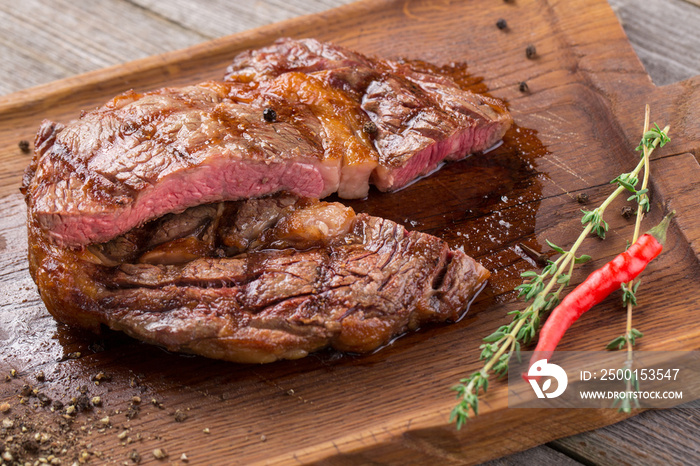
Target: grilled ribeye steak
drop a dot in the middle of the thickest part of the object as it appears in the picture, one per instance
(257, 280)
(299, 116)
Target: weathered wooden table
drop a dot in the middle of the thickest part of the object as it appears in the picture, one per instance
(42, 41)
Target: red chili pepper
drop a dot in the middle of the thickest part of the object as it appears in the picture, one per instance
(599, 284)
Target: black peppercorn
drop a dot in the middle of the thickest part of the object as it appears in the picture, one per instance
(501, 24)
(24, 146)
(369, 127)
(627, 212)
(269, 114)
(530, 51)
(582, 198)
(524, 87)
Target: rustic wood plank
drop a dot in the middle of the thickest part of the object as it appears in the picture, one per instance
(664, 33)
(653, 437)
(659, 435)
(550, 163)
(43, 47)
(217, 18)
(541, 456)
(45, 40)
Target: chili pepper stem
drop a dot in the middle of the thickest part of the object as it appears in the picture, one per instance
(659, 231)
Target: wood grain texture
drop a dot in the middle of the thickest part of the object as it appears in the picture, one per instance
(664, 34)
(217, 18)
(586, 92)
(654, 437)
(41, 47)
(536, 456)
(627, 444)
(86, 35)
(42, 51)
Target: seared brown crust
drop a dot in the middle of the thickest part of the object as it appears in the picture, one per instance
(356, 293)
(421, 117)
(141, 156)
(341, 121)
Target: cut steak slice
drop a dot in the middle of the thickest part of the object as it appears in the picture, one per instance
(340, 123)
(421, 118)
(142, 156)
(308, 275)
(299, 116)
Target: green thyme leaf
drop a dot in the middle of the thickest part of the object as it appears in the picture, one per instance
(495, 336)
(555, 247)
(582, 259)
(617, 344)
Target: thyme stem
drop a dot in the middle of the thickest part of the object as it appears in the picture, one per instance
(500, 346)
(635, 235)
(631, 334)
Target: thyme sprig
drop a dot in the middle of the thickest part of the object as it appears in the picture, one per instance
(542, 290)
(621, 341)
(650, 140)
(624, 400)
(653, 137)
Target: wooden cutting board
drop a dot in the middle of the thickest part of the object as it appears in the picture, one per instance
(576, 129)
